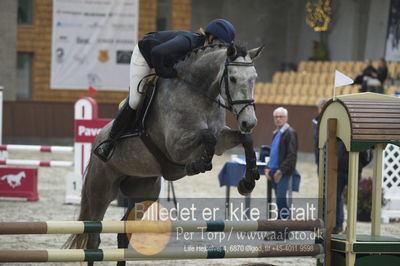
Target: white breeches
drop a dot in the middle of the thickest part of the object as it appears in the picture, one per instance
(137, 70)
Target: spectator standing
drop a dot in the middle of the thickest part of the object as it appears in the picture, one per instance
(282, 161)
(342, 180)
(315, 121)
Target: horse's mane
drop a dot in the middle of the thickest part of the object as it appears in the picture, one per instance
(196, 53)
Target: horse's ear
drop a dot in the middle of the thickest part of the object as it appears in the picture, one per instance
(254, 53)
(231, 52)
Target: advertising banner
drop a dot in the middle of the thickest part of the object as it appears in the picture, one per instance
(87, 130)
(92, 43)
(19, 182)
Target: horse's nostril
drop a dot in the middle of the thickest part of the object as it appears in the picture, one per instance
(244, 124)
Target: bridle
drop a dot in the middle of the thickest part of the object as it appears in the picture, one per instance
(225, 79)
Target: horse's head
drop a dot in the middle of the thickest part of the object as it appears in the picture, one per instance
(227, 71)
(237, 83)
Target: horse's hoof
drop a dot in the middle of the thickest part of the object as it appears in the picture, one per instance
(254, 175)
(197, 167)
(245, 187)
(193, 168)
(208, 167)
(204, 167)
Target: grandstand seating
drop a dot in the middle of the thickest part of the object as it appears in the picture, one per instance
(312, 81)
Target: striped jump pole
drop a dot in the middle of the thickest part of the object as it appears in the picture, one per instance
(134, 226)
(75, 255)
(37, 163)
(37, 148)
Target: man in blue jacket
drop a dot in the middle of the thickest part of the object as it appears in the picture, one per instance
(160, 50)
(282, 160)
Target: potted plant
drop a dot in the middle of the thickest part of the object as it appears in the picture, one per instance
(364, 206)
(364, 199)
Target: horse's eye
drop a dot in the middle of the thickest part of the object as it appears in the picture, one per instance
(233, 79)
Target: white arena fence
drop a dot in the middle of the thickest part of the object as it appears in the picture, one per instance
(87, 126)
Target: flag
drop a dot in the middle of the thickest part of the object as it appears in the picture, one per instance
(342, 80)
(92, 90)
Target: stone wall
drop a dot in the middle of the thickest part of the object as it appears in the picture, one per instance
(181, 14)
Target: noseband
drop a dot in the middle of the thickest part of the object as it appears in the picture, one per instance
(225, 79)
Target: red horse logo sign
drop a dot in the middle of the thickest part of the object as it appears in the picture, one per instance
(14, 180)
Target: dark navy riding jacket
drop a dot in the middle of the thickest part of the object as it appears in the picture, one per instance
(163, 49)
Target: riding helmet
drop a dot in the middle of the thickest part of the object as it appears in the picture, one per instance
(222, 29)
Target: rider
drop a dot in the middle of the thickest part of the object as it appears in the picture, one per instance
(160, 50)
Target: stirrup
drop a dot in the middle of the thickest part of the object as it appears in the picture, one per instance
(105, 150)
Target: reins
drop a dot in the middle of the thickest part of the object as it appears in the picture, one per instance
(144, 78)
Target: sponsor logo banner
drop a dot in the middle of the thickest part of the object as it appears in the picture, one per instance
(19, 182)
(92, 40)
(87, 130)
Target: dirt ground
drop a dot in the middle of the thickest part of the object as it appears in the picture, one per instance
(51, 207)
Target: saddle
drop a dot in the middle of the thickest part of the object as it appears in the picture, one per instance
(170, 170)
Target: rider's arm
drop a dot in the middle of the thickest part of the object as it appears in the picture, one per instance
(176, 46)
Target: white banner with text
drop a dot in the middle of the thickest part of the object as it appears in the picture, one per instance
(92, 43)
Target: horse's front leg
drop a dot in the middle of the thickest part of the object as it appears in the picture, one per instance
(197, 145)
(228, 139)
(203, 155)
(247, 184)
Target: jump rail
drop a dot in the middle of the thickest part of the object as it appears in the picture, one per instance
(37, 163)
(36, 148)
(74, 255)
(79, 227)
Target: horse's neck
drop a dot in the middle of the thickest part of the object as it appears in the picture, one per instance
(205, 72)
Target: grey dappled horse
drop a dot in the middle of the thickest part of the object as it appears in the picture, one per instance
(186, 124)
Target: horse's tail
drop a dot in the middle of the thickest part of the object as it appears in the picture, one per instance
(79, 241)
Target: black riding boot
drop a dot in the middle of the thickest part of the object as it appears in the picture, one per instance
(124, 119)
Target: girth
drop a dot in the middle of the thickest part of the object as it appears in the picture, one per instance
(169, 169)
